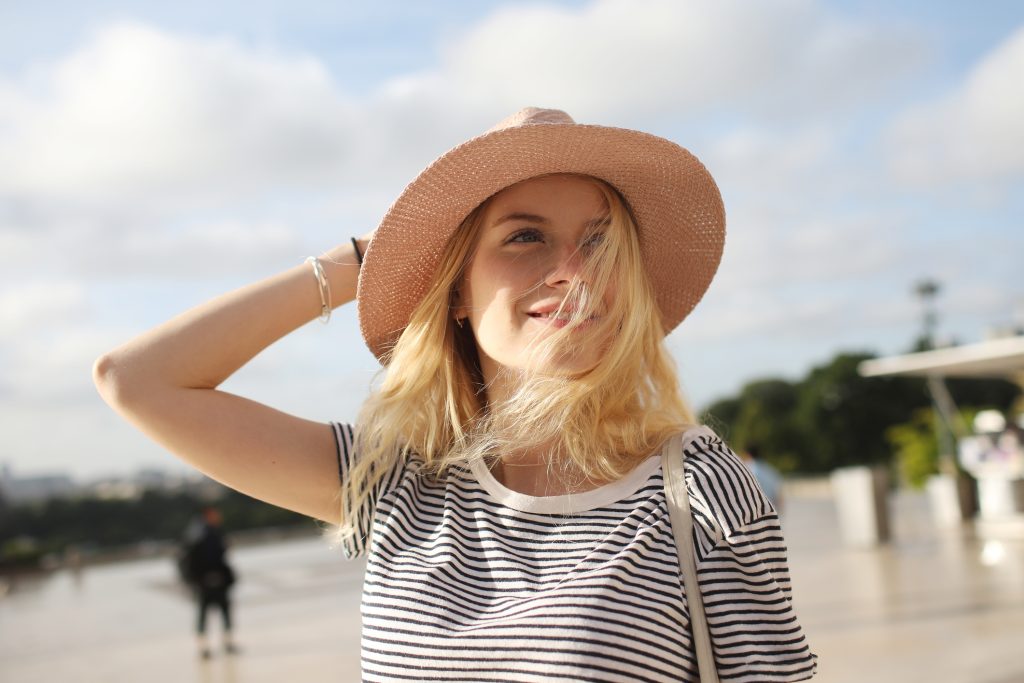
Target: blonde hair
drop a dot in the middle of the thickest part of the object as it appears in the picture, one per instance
(598, 422)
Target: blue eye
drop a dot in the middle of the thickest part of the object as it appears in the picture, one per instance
(593, 241)
(525, 236)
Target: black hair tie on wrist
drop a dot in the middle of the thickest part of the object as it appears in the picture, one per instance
(359, 256)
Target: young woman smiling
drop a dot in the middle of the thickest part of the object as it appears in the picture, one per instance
(506, 478)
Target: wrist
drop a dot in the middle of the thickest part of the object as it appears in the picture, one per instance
(326, 305)
(341, 267)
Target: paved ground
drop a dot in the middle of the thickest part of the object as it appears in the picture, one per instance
(926, 607)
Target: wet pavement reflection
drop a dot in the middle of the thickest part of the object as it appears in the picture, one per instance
(927, 606)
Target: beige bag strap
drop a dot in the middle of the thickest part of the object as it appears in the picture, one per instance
(682, 528)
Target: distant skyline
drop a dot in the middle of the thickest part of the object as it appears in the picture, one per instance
(156, 155)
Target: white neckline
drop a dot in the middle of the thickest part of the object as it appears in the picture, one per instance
(570, 502)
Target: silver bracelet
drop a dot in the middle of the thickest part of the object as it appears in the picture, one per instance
(325, 289)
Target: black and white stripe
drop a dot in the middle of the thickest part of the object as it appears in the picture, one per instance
(461, 586)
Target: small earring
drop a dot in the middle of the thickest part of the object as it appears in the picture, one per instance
(459, 322)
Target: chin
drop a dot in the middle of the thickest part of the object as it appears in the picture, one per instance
(567, 367)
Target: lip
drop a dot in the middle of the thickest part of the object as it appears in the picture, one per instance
(546, 308)
(558, 323)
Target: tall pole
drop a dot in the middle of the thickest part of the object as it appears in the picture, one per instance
(927, 290)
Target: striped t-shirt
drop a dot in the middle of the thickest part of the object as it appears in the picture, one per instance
(467, 580)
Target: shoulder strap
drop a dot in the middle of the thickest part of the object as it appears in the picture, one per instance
(682, 528)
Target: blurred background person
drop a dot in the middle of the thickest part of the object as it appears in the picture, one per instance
(767, 477)
(205, 568)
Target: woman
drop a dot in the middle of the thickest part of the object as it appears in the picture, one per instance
(508, 466)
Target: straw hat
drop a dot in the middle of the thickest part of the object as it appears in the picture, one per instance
(672, 196)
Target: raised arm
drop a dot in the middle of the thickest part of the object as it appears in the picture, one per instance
(165, 383)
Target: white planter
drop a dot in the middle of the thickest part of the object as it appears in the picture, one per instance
(944, 501)
(999, 497)
(862, 502)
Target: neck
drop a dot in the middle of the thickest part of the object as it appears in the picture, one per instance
(528, 473)
(526, 470)
(499, 382)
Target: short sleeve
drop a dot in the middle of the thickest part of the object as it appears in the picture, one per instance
(744, 578)
(724, 489)
(344, 439)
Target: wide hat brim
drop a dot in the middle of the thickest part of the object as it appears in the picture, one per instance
(674, 200)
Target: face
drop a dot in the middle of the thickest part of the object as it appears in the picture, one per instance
(533, 241)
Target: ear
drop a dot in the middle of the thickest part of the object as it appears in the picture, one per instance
(457, 310)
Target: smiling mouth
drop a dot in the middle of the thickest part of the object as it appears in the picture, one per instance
(560, 320)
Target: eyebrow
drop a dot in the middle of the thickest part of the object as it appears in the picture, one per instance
(534, 218)
(519, 216)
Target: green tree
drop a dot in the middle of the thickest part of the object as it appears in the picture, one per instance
(834, 417)
(765, 419)
(722, 415)
(916, 447)
(53, 525)
(844, 415)
(998, 394)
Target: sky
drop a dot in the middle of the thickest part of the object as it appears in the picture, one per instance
(155, 155)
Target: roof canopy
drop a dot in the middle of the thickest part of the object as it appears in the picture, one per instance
(1002, 358)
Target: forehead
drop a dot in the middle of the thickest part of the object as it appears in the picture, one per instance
(555, 195)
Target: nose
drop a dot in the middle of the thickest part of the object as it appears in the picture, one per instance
(567, 264)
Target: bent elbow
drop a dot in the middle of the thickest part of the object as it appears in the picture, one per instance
(105, 376)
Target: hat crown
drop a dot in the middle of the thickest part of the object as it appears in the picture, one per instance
(530, 116)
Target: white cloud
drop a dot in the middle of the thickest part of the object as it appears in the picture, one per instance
(755, 313)
(30, 305)
(138, 114)
(768, 165)
(774, 246)
(50, 367)
(619, 58)
(140, 125)
(203, 248)
(152, 249)
(139, 122)
(981, 298)
(143, 150)
(974, 133)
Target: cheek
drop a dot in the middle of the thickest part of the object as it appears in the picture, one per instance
(611, 292)
(496, 307)
(499, 285)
